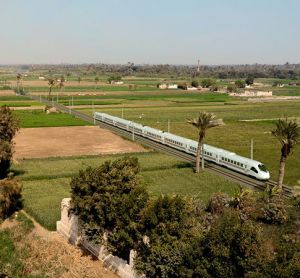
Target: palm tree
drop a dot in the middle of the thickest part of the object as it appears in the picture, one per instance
(203, 122)
(51, 83)
(62, 82)
(19, 77)
(288, 133)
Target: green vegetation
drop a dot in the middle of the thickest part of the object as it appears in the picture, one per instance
(243, 121)
(45, 184)
(11, 258)
(38, 118)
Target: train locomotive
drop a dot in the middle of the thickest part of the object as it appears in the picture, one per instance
(219, 156)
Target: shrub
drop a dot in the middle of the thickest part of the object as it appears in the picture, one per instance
(168, 222)
(108, 200)
(245, 201)
(218, 202)
(231, 88)
(5, 158)
(206, 83)
(195, 83)
(240, 83)
(10, 197)
(249, 80)
(274, 210)
(9, 124)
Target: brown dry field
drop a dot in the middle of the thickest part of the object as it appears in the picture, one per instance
(43, 83)
(7, 93)
(70, 141)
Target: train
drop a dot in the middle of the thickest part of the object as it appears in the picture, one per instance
(224, 158)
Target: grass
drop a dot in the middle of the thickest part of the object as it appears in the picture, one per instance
(235, 135)
(11, 258)
(44, 187)
(20, 103)
(38, 118)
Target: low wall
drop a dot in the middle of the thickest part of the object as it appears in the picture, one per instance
(68, 227)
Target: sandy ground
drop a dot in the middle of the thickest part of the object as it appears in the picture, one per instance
(7, 93)
(45, 249)
(44, 83)
(70, 141)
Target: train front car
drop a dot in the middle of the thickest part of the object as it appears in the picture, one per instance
(263, 173)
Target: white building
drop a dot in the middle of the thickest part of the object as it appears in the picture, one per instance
(113, 82)
(253, 94)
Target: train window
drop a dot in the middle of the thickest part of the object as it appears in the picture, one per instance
(242, 165)
(231, 161)
(262, 167)
(254, 170)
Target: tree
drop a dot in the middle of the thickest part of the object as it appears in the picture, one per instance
(240, 83)
(249, 80)
(195, 83)
(9, 125)
(231, 88)
(79, 79)
(19, 78)
(206, 83)
(203, 122)
(62, 82)
(96, 81)
(51, 84)
(108, 200)
(288, 133)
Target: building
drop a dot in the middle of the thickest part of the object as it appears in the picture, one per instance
(165, 86)
(114, 82)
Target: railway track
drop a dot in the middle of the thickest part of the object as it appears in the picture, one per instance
(211, 167)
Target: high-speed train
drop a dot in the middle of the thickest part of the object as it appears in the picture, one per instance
(219, 156)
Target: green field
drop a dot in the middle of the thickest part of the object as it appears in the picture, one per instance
(235, 135)
(46, 181)
(38, 118)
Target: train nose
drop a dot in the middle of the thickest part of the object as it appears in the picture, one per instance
(267, 176)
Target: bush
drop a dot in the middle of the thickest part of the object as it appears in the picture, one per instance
(5, 158)
(274, 210)
(231, 88)
(108, 200)
(169, 223)
(240, 83)
(195, 83)
(249, 80)
(10, 197)
(206, 83)
(218, 202)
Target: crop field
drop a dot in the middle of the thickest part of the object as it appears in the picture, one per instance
(235, 135)
(46, 181)
(38, 118)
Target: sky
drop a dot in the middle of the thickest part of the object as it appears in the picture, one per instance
(150, 32)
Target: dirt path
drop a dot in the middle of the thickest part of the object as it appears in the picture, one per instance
(70, 141)
(51, 254)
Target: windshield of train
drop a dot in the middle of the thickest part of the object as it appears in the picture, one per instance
(262, 168)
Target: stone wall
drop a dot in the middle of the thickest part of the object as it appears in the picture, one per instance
(68, 227)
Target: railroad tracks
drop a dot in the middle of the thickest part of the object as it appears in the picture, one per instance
(211, 167)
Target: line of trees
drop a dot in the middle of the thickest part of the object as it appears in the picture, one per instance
(285, 71)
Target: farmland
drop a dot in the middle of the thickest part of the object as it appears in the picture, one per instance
(46, 180)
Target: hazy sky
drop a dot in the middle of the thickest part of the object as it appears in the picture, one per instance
(150, 31)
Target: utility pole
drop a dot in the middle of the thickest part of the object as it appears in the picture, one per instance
(202, 157)
(94, 112)
(251, 149)
(69, 106)
(198, 68)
